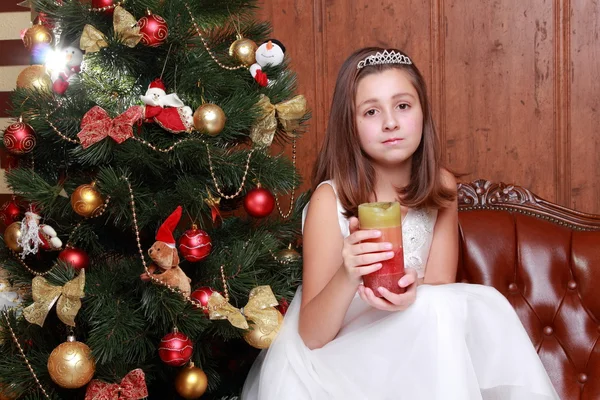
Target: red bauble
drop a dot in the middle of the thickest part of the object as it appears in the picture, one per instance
(175, 349)
(195, 244)
(19, 138)
(10, 212)
(106, 6)
(283, 306)
(76, 257)
(259, 202)
(201, 295)
(154, 30)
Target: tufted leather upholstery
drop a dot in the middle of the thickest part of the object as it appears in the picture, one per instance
(546, 260)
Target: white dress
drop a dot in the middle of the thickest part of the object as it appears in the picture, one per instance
(456, 342)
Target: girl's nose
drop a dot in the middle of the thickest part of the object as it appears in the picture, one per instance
(390, 123)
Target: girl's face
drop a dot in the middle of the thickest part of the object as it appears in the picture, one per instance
(389, 118)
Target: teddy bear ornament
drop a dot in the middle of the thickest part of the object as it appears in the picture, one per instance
(165, 259)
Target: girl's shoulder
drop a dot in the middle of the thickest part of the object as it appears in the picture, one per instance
(324, 206)
(326, 194)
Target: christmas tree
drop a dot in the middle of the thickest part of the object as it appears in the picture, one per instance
(154, 227)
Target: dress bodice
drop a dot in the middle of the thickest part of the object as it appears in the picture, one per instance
(417, 233)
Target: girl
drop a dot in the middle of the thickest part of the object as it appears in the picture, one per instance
(439, 339)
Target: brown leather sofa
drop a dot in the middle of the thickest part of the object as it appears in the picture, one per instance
(546, 260)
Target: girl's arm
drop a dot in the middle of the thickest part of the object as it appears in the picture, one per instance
(332, 269)
(443, 255)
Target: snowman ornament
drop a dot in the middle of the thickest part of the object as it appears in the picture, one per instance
(167, 110)
(270, 53)
(73, 57)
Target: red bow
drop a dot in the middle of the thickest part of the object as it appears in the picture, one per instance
(132, 387)
(97, 124)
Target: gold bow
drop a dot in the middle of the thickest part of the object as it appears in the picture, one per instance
(45, 295)
(126, 29)
(260, 309)
(288, 113)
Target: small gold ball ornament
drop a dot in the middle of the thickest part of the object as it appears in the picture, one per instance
(37, 35)
(12, 234)
(71, 365)
(191, 382)
(34, 77)
(262, 338)
(210, 119)
(243, 50)
(287, 255)
(86, 200)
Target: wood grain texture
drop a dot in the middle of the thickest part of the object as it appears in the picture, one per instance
(585, 106)
(513, 84)
(499, 92)
(296, 24)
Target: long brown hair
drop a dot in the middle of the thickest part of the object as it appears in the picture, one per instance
(342, 159)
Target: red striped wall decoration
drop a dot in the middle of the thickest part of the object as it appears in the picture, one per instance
(13, 58)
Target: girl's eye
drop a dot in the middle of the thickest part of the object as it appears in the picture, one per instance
(403, 106)
(370, 112)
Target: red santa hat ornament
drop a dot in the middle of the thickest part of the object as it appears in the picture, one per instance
(165, 231)
(158, 84)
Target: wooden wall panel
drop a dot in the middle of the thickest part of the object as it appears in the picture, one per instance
(514, 84)
(499, 90)
(585, 106)
(401, 24)
(296, 24)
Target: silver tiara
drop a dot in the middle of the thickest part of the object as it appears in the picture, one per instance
(387, 57)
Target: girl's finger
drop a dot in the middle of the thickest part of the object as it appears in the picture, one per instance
(371, 247)
(361, 293)
(367, 269)
(364, 234)
(353, 224)
(378, 302)
(372, 258)
(402, 299)
(408, 279)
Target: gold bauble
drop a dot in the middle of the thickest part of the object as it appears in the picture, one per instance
(209, 118)
(37, 35)
(287, 255)
(86, 200)
(71, 365)
(12, 234)
(191, 382)
(261, 339)
(34, 77)
(243, 50)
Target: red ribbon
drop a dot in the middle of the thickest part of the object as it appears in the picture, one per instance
(97, 124)
(132, 387)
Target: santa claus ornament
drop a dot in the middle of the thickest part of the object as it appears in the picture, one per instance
(35, 235)
(268, 54)
(167, 110)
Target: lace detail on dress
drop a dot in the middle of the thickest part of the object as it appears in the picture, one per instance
(417, 235)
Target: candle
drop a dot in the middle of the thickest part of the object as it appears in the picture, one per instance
(386, 218)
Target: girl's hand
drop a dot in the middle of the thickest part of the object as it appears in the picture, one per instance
(392, 301)
(363, 258)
